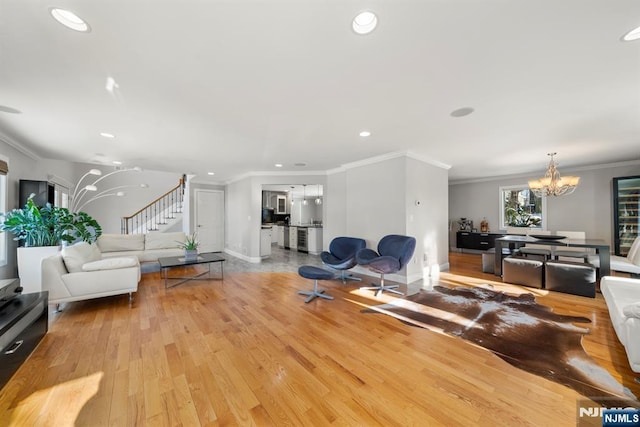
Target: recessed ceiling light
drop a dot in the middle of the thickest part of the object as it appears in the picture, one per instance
(107, 135)
(278, 165)
(365, 133)
(211, 173)
(632, 35)
(364, 22)
(461, 112)
(5, 109)
(117, 162)
(70, 20)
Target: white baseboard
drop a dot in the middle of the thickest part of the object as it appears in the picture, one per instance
(242, 256)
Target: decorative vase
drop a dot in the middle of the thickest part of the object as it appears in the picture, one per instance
(190, 254)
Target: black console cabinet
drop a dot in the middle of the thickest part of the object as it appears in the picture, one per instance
(476, 241)
(23, 323)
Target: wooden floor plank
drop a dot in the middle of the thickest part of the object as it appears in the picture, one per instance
(247, 350)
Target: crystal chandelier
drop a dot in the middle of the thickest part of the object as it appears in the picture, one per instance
(553, 184)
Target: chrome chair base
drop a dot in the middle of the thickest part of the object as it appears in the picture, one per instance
(344, 277)
(314, 293)
(382, 287)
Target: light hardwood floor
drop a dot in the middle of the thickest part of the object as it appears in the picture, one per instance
(249, 351)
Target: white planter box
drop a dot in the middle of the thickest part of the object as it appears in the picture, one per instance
(29, 266)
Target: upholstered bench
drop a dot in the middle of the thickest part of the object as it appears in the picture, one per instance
(575, 278)
(315, 273)
(523, 271)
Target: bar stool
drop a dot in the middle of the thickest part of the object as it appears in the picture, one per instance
(314, 273)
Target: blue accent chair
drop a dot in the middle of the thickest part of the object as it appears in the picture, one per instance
(394, 252)
(342, 255)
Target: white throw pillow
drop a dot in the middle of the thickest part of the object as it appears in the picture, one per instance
(121, 242)
(110, 264)
(75, 256)
(158, 240)
(632, 310)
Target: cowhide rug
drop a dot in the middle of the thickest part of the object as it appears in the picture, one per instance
(527, 335)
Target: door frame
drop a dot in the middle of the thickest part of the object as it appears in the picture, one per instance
(196, 193)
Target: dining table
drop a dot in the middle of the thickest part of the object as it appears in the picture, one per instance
(515, 241)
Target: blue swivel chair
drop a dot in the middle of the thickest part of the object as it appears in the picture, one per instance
(394, 252)
(342, 255)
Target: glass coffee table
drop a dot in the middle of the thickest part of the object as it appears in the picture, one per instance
(166, 263)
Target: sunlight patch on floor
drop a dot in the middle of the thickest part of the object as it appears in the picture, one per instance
(58, 405)
(457, 280)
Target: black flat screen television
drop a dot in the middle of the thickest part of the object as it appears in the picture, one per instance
(43, 190)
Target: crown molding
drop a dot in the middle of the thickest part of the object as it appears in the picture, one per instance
(564, 171)
(10, 142)
(272, 173)
(385, 157)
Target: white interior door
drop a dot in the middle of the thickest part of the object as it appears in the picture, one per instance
(209, 219)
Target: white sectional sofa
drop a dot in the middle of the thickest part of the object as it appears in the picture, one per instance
(146, 247)
(79, 272)
(109, 267)
(622, 296)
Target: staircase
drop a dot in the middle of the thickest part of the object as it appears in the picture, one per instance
(160, 215)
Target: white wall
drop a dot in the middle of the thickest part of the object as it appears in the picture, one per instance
(239, 216)
(109, 210)
(334, 204)
(427, 220)
(588, 209)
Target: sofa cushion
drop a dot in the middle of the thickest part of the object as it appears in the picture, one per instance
(153, 254)
(75, 256)
(158, 240)
(121, 242)
(632, 310)
(111, 264)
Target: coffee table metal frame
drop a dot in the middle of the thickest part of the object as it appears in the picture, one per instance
(166, 263)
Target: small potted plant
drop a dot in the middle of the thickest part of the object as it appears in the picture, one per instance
(190, 246)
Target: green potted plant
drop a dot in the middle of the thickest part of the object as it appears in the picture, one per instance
(49, 225)
(43, 230)
(190, 246)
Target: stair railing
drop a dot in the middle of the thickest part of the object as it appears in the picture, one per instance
(156, 213)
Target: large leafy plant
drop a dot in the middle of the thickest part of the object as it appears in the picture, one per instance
(517, 217)
(49, 225)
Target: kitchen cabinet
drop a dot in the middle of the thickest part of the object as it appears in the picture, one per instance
(281, 204)
(275, 229)
(293, 237)
(314, 240)
(281, 230)
(626, 213)
(265, 242)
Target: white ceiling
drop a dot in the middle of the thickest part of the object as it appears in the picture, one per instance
(237, 86)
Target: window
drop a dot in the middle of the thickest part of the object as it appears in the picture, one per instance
(519, 207)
